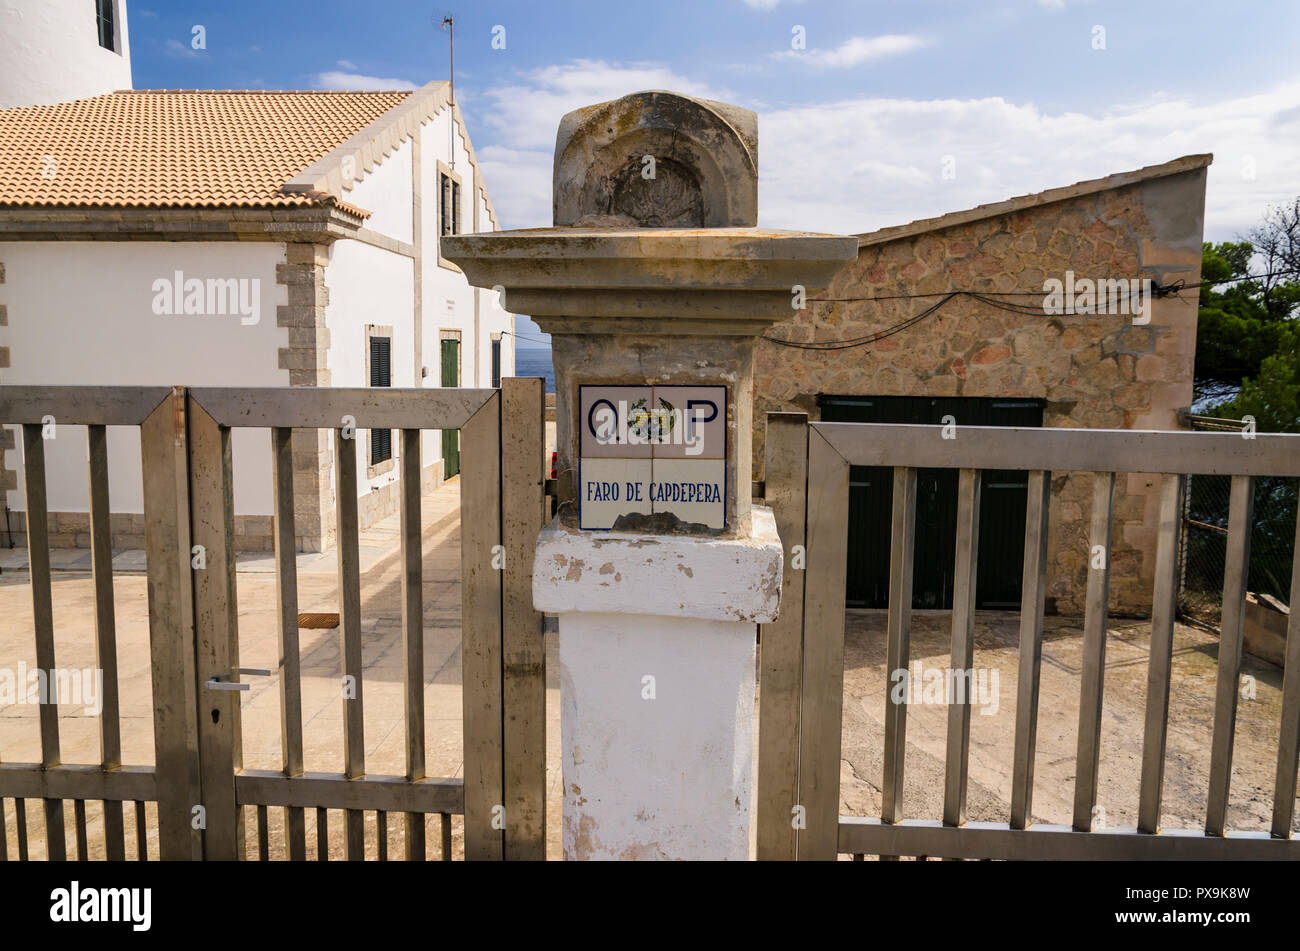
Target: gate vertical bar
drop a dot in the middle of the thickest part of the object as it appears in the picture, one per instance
(349, 561)
(38, 561)
(412, 631)
(962, 659)
(481, 585)
(523, 497)
(164, 452)
(823, 660)
(141, 833)
(1095, 618)
(1288, 746)
(79, 826)
(101, 559)
(1241, 510)
(902, 546)
(1033, 590)
(20, 823)
(781, 642)
(216, 631)
(286, 600)
(1164, 605)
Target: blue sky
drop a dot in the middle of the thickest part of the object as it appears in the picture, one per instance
(854, 129)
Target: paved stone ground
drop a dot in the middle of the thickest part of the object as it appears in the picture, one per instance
(1191, 708)
(1191, 719)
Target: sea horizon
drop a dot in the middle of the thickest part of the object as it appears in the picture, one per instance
(536, 361)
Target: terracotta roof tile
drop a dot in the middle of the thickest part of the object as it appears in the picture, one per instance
(178, 148)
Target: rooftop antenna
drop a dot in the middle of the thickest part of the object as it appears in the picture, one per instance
(449, 24)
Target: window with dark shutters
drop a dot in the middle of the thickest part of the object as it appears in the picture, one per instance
(444, 204)
(449, 201)
(496, 362)
(104, 21)
(381, 374)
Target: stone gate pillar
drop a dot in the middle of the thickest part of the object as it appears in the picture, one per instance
(654, 283)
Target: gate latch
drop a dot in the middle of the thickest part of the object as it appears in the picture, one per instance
(228, 681)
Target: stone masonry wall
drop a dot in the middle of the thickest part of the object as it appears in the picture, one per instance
(303, 274)
(1098, 372)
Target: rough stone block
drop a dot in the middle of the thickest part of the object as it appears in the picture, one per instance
(296, 358)
(296, 252)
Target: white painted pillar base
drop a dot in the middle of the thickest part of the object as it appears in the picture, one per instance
(657, 643)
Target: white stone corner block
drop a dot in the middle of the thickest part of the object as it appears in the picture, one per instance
(681, 576)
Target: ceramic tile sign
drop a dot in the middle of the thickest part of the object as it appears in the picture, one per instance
(651, 449)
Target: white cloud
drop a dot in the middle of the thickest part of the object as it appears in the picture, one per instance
(526, 114)
(522, 119)
(762, 4)
(338, 79)
(519, 181)
(178, 50)
(856, 50)
(347, 64)
(857, 165)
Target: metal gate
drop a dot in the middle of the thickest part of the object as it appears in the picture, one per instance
(802, 662)
(198, 784)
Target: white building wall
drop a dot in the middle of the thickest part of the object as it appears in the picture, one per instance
(448, 298)
(50, 52)
(81, 313)
(386, 194)
(368, 285)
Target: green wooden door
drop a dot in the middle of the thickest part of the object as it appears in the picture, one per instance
(450, 437)
(871, 490)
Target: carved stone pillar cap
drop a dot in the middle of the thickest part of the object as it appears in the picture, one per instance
(657, 159)
(744, 275)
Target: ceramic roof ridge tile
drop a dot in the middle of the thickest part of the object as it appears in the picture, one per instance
(251, 92)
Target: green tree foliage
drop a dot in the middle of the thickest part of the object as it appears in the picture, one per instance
(1233, 331)
(1272, 396)
(1248, 364)
(1248, 334)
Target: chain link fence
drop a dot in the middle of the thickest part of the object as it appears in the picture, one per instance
(1205, 535)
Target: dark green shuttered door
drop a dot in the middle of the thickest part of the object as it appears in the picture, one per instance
(1002, 505)
(450, 437)
(381, 374)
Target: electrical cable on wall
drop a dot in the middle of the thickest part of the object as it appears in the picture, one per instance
(520, 336)
(985, 297)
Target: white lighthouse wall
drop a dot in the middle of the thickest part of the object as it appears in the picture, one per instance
(50, 52)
